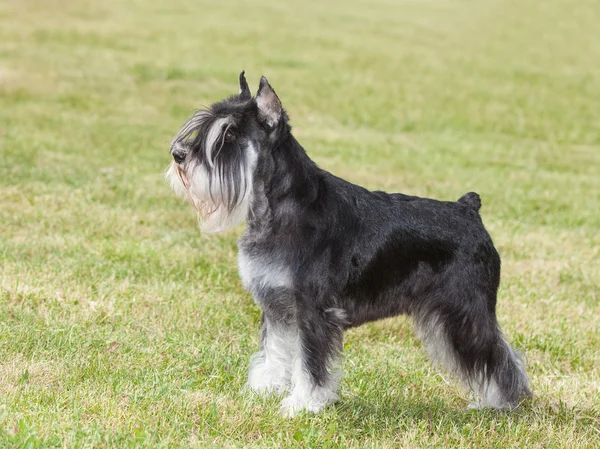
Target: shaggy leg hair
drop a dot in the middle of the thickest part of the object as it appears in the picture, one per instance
(481, 358)
(320, 255)
(271, 367)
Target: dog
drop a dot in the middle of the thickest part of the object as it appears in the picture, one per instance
(321, 255)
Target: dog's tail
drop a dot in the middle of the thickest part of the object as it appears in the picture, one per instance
(471, 200)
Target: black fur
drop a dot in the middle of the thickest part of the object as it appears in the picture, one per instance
(355, 256)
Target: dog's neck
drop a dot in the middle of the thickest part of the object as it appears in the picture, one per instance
(285, 181)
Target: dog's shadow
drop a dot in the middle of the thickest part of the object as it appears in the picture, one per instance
(402, 414)
(358, 412)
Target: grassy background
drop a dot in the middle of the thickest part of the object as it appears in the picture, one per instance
(122, 326)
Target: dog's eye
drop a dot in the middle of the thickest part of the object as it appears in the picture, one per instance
(229, 136)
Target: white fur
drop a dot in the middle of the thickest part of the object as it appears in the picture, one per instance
(172, 176)
(271, 367)
(434, 338)
(305, 395)
(490, 396)
(208, 199)
(259, 272)
(212, 138)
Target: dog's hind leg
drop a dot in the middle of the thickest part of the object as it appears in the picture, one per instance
(508, 383)
(465, 338)
(316, 369)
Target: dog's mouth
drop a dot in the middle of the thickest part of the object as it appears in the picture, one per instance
(204, 208)
(183, 177)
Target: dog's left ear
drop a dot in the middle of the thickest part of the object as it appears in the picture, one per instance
(244, 89)
(270, 110)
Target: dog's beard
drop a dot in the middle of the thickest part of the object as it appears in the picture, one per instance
(219, 193)
(211, 196)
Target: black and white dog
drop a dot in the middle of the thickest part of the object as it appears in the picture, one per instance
(320, 255)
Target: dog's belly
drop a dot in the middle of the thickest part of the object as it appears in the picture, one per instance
(360, 310)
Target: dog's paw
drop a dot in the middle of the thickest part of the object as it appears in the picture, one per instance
(475, 406)
(292, 405)
(313, 403)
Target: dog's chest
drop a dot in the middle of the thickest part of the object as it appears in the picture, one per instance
(262, 272)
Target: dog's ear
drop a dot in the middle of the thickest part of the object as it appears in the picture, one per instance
(270, 110)
(244, 89)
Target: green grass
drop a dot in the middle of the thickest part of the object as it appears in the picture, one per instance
(122, 326)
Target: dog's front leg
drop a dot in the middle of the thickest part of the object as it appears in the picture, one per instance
(316, 369)
(271, 367)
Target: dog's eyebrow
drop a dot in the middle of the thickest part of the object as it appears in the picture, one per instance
(231, 120)
(192, 125)
(214, 135)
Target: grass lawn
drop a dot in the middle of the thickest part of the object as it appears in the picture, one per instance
(122, 326)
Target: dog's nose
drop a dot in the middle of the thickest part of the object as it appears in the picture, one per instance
(179, 157)
(178, 153)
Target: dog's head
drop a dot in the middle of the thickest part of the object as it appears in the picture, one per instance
(215, 153)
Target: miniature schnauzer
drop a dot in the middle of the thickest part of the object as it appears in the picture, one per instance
(321, 255)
